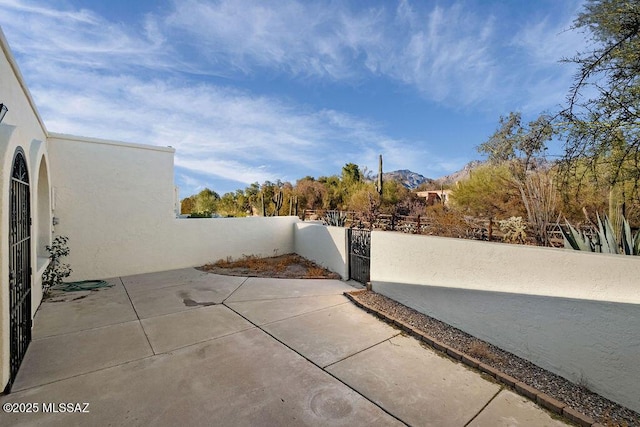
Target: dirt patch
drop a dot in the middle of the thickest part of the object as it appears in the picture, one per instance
(288, 266)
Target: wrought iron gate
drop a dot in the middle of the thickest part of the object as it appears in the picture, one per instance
(19, 265)
(359, 254)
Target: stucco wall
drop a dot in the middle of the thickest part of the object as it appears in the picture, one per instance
(574, 313)
(115, 202)
(198, 241)
(21, 127)
(326, 246)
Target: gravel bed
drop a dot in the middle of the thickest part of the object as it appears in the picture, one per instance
(576, 396)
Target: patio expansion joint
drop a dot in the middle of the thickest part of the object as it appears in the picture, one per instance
(95, 328)
(297, 315)
(234, 291)
(285, 298)
(321, 368)
(82, 374)
(168, 352)
(363, 350)
(138, 317)
(484, 407)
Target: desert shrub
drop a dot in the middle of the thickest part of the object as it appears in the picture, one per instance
(56, 270)
(514, 229)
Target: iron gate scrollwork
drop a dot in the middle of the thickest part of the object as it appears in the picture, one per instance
(19, 265)
(359, 254)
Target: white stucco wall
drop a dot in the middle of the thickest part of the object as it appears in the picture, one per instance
(324, 245)
(197, 241)
(113, 200)
(499, 267)
(21, 127)
(116, 203)
(574, 313)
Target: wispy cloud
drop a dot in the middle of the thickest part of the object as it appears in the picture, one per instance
(81, 38)
(219, 132)
(158, 82)
(543, 43)
(443, 52)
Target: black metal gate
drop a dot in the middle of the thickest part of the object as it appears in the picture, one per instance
(19, 265)
(359, 255)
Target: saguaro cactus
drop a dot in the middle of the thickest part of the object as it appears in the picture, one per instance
(293, 205)
(277, 202)
(379, 180)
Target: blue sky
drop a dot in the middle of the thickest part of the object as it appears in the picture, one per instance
(250, 91)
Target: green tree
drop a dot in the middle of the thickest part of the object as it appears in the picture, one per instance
(489, 192)
(335, 195)
(518, 147)
(351, 174)
(366, 200)
(205, 202)
(232, 205)
(187, 204)
(601, 121)
(518, 144)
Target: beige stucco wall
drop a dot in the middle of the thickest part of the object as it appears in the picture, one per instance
(22, 127)
(326, 246)
(574, 313)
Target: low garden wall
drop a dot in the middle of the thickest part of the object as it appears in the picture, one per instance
(181, 243)
(573, 313)
(197, 241)
(326, 246)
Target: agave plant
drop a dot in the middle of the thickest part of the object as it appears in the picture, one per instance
(630, 243)
(604, 240)
(335, 218)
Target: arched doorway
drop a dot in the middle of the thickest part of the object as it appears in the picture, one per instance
(19, 264)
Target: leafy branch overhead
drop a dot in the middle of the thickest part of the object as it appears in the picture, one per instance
(514, 142)
(601, 121)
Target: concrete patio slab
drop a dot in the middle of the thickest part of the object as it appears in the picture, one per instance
(64, 356)
(149, 281)
(76, 311)
(509, 409)
(242, 379)
(329, 335)
(312, 359)
(262, 312)
(205, 291)
(416, 384)
(176, 330)
(259, 288)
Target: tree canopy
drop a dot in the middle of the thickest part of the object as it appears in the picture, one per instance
(601, 121)
(514, 142)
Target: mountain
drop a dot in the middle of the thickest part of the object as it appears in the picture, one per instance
(409, 179)
(413, 180)
(460, 175)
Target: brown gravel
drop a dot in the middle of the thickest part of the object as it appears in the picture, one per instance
(573, 395)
